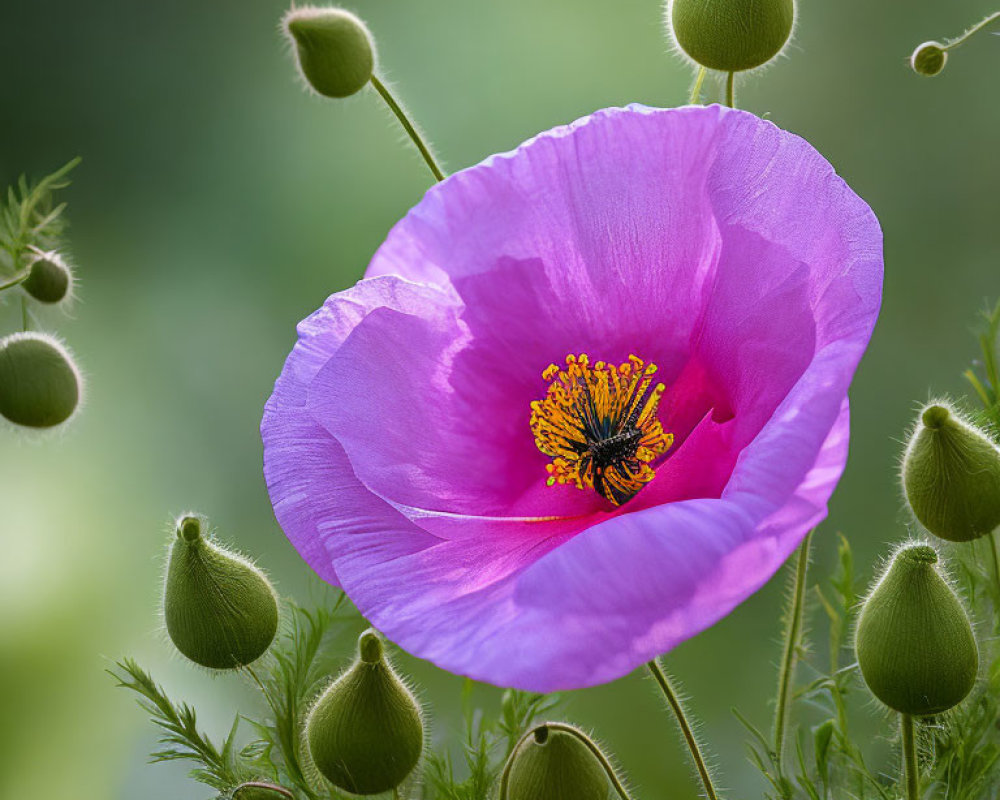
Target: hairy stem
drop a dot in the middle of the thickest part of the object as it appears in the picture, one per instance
(972, 31)
(910, 775)
(793, 639)
(692, 742)
(409, 127)
(696, 88)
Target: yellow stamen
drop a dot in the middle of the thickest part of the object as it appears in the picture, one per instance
(598, 424)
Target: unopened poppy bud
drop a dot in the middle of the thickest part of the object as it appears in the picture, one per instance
(40, 386)
(951, 475)
(334, 50)
(929, 58)
(914, 641)
(554, 763)
(221, 611)
(366, 732)
(49, 279)
(731, 35)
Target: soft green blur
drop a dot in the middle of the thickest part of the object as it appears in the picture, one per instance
(218, 204)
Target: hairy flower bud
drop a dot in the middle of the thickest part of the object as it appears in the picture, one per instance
(40, 386)
(929, 59)
(914, 642)
(335, 51)
(731, 35)
(366, 732)
(555, 764)
(221, 611)
(49, 278)
(951, 475)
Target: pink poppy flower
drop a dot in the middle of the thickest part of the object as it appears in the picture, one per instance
(588, 397)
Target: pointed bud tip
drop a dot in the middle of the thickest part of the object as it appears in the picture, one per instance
(929, 59)
(334, 49)
(918, 554)
(934, 416)
(370, 646)
(541, 734)
(189, 528)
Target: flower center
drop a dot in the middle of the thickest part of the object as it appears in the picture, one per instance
(598, 423)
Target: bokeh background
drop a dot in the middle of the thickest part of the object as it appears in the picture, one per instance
(218, 204)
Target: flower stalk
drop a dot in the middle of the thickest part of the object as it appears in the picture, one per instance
(911, 776)
(793, 641)
(670, 695)
(409, 127)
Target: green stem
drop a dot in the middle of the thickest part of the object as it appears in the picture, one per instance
(972, 31)
(25, 317)
(411, 130)
(996, 558)
(692, 742)
(910, 774)
(15, 281)
(272, 787)
(696, 89)
(793, 637)
(731, 90)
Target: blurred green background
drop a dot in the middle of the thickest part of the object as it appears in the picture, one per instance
(217, 204)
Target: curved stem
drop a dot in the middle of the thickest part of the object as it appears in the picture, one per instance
(594, 749)
(731, 90)
(17, 280)
(996, 558)
(272, 787)
(686, 730)
(408, 126)
(910, 774)
(972, 31)
(696, 89)
(793, 637)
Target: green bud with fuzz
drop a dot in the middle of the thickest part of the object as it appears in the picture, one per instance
(929, 59)
(49, 279)
(731, 35)
(334, 50)
(221, 611)
(40, 386)
(366, 732)
(914, 641)
(951, 475)
(555, 763)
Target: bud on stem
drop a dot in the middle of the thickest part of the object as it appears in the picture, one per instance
(914, 641)
(366, 732)
(221, 611)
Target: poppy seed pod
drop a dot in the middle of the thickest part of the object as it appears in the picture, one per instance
(929, 59)
(40, 386)
(366, 732)
(731, 35)
(555, 764)
(220, 610)
(334, 49)
(951, 475)
(49, 279)
(914, 641)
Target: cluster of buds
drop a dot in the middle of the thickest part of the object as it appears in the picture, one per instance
(915, 642)
(40, 384)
